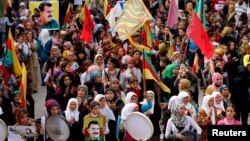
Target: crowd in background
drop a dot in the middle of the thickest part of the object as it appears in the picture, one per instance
(109, 71)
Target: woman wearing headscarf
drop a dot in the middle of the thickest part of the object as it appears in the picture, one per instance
(219, 105)
(86, 75)
(217, 81)
(52, 108)
(73, 116)
(226, 95)
(169, 77)
(167, 112)
(179, 123)
(44, 44)
(69, 56)
(116, 88)
(126, 111)
(96, 79)
(110, 132)
(99, 61)
(207, 116)
(190, 110)
(153, 112)
(82, 98)
(131, 97)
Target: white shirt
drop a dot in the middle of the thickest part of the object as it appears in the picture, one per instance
(239, 9)
(191, 123)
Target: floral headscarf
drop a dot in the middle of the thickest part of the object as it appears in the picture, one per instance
(177, 119)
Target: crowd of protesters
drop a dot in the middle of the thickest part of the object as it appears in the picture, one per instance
(107, 74)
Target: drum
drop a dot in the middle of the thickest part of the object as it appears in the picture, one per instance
(57, 128)
(139, 126)
(3, 130)
(189, 136)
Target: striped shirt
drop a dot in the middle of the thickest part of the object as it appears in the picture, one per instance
(239, 9)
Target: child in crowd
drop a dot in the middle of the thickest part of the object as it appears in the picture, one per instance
(95, 113)
(148, 102)
(131, 97)
(135, 87)
(229, 119)
(22, 118)
(39, 130)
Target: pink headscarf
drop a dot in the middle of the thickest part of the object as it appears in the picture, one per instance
(215, 76)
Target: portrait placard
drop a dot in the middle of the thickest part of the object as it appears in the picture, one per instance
(49, 13)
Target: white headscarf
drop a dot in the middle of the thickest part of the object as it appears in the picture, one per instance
(44, 36)
(106, 110)
(69, 114)
(127, 110)
(206, 108)
(172, 100)
(95, 59)
(182, 95)
(221, 104)
(129, 96)
(153, 101)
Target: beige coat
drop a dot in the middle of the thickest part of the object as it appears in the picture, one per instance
(34, 64)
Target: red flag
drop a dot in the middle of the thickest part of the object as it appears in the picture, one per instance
(6, 74)
(88, 26)
(173, 14)
(69, 11)
(200, 38)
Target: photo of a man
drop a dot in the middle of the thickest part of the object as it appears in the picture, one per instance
(46, 11)
(94, 131)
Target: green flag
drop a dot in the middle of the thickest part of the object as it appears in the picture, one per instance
(200, 11)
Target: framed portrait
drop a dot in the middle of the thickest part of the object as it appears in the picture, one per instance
(93, 129)
(21, 133)
(48, 12)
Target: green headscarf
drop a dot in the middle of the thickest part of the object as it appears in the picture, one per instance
(169, 71)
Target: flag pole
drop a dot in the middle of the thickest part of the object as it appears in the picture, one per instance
(141, 38)
(143, 73)
(182, 43)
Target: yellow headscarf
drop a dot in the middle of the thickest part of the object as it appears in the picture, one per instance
(246, 60)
